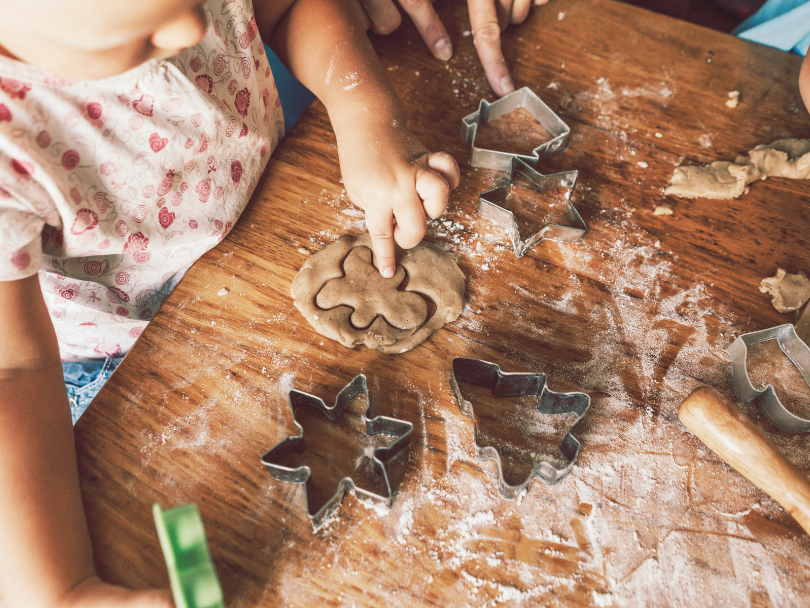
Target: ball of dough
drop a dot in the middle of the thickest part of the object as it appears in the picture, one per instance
(343, 296)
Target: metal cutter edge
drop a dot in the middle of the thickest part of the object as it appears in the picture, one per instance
(384, 425)
(507, 384)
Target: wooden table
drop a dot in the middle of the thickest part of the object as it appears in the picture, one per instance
(637, 315)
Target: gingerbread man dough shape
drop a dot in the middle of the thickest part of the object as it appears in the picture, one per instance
(343, 296)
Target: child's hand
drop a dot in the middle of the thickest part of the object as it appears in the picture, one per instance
(396, 180)
(93, 593)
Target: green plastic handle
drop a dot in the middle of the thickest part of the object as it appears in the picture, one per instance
(191, 572)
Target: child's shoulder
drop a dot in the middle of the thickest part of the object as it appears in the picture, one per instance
(138, 174)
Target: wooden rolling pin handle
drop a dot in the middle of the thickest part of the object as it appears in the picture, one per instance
(732, 436)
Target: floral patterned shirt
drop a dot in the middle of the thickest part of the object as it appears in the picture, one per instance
(111, 189)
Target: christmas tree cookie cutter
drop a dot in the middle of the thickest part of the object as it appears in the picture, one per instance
(192, 575)
(487, 112)
(490, 207)
(795, 349)
(381, 457)
(503, 384)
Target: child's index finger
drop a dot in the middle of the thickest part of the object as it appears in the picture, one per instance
(384, 254)
(382, 242)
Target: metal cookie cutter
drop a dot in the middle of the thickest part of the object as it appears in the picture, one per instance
(490, 207)
(487, 112)
(799, 354)
(489, 375)
(381, 425)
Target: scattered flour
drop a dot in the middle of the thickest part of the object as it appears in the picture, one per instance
(602, 536)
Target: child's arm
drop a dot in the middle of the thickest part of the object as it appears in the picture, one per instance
(45, 554)
(387, 171)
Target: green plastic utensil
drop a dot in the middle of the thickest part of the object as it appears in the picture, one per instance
(191, 572)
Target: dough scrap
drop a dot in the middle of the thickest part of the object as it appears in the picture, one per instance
(360, 307)
(788, 291)
(723, 180)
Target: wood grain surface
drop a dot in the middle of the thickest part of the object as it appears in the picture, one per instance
(637, 315)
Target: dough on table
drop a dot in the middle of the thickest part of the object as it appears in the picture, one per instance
(788, 291)
(343, 296)
(725, 180)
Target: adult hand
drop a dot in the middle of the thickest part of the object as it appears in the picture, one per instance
(382, 17)
(488, 19)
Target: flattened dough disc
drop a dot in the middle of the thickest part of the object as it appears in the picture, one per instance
(338, 298)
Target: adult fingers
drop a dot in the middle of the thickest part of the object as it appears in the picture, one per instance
(411, 223)
(504, 11)
(384, 16)
(434, 191)
(361, 14)
(540, 2)
(520, 10)
(430, 27)
(447, 166)
(487, 37)
(381, 231)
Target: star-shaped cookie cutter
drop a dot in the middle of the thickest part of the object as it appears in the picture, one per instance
(502, 384)
(490, 207)
(381, 425)
(487, 112)
(799, 354)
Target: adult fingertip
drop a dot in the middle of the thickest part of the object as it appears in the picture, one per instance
(506, 85)
(443, 49)
(387, 272)
(387, 23)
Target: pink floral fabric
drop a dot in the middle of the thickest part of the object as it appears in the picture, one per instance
(112, 189)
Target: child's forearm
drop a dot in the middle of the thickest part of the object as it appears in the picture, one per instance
(387, 171)
(327, 49)
(44, 544)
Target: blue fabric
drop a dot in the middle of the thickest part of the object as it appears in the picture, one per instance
(782, 24)
(295, 97)
(84, 380)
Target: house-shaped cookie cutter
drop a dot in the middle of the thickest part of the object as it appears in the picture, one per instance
(795, 349)
(487, 112)
(381, 425)
(502, 384)
(490, 207)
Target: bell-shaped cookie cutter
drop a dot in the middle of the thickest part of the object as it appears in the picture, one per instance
(490, 207)
(381, 425)
(504, 384)
(795, 349)
(487, 112)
